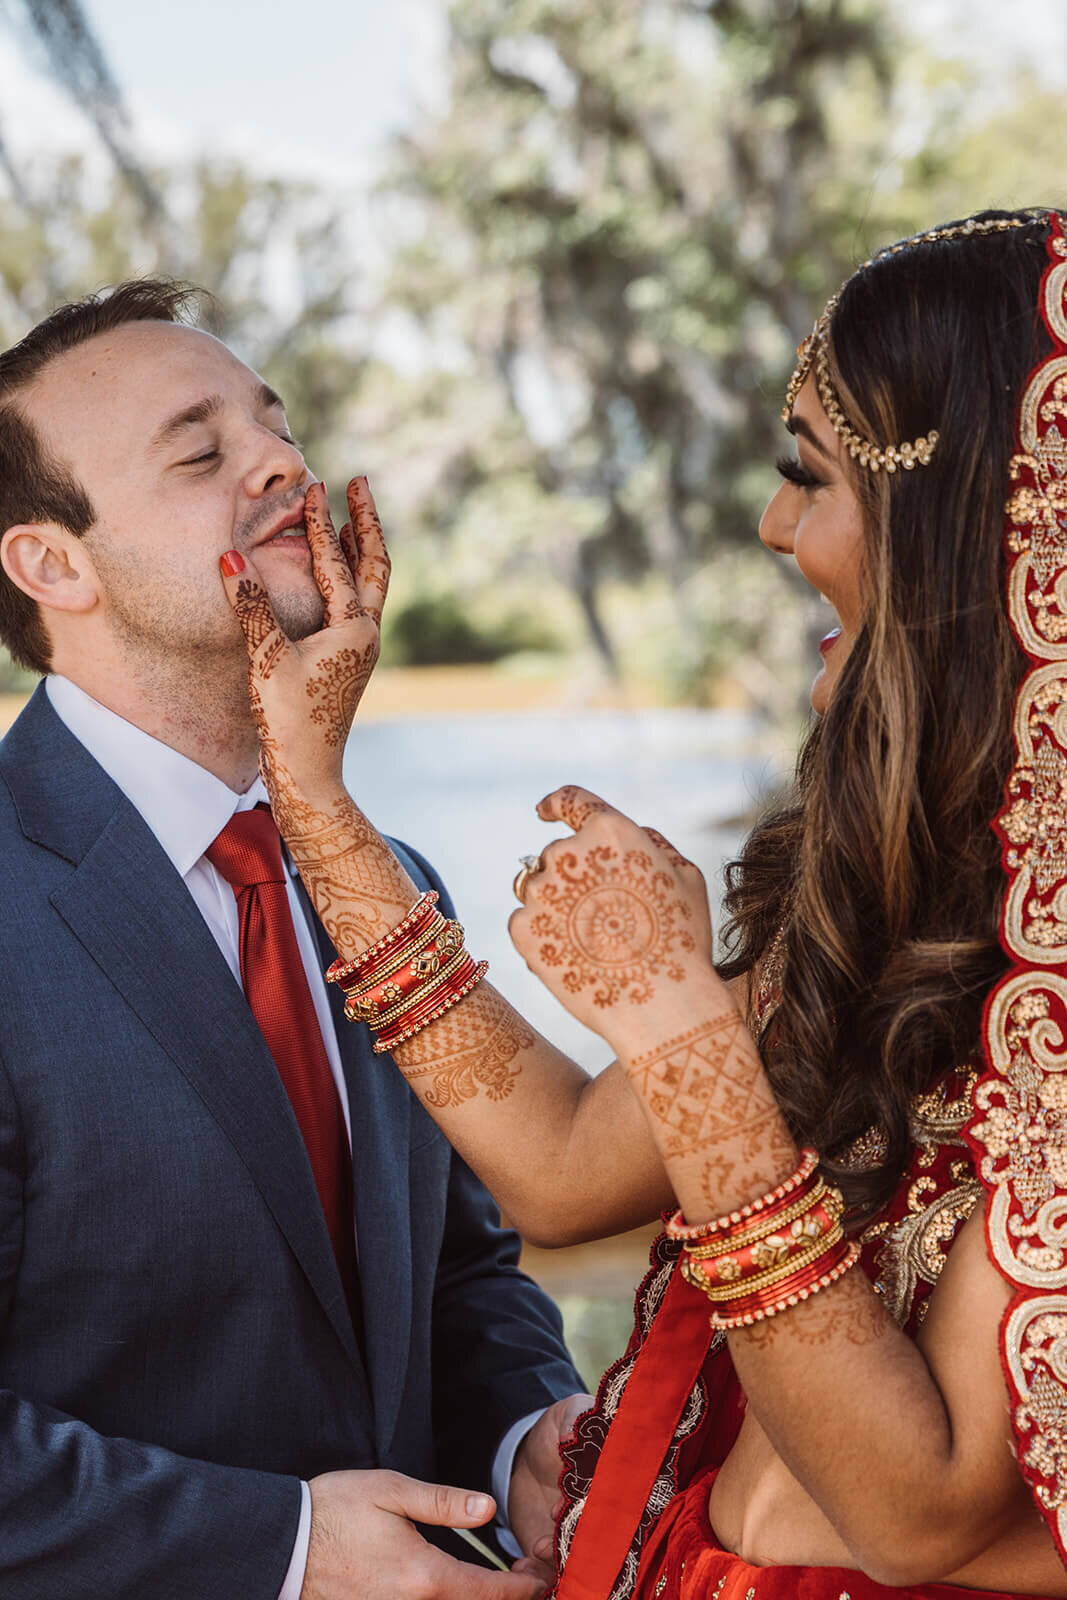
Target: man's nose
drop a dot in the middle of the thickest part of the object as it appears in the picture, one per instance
(776, 525)
(278, 465)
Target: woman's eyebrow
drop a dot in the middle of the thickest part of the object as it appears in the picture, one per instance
(797, 426)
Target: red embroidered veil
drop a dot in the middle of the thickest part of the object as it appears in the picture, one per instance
(672, 1404)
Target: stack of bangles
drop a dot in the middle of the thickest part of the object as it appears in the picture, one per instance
(769, 1255)
(409, 978)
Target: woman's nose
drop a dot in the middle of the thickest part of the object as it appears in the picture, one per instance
(776, 524)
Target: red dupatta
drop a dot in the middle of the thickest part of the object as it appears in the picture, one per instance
(1019, 1130)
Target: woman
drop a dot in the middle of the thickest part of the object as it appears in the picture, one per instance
(830, 1431)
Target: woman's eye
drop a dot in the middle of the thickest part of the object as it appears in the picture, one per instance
(793, 472)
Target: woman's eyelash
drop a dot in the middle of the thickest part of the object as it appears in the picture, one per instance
(792, 471)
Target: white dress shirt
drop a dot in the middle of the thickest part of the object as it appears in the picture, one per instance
(186, 807)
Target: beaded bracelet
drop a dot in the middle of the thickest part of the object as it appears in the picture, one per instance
(444, 997)
(780, 1249)
(374, 963)
(410, 977)
(820, 1275)
(768, 1204)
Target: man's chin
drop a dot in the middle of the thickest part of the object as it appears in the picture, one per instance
(299, 614)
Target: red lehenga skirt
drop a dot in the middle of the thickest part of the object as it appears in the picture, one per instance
(683, 1560)
(639, 1467)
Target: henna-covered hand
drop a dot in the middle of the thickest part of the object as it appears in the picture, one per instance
(615, 920)
(304, 692)
(616, 924)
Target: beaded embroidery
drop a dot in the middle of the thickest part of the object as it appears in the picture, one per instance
(1019, 1131)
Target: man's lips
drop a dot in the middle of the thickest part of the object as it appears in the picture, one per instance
(289, 529)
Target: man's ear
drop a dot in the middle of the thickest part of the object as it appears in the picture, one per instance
(51, 565)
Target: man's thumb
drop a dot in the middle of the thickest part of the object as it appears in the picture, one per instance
(435, 1503)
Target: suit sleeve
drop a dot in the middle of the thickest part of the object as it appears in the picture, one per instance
(498, 1350)
(87, 1515)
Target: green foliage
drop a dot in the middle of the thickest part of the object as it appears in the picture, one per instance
(438, 629)
(623, 226)
(237, 236)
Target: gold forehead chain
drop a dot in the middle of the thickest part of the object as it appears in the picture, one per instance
(814, 356)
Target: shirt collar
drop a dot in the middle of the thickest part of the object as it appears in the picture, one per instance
(185, 806)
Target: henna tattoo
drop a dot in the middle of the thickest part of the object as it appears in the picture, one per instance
(707, 1091)
(849, 1310)
(357, 886)
(275, 649)
(337, 688)
(254, 613)
(612, 922)
(576, 812)
(470, 1049)
(673, 854)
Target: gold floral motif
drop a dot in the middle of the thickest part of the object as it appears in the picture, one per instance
(914, 1248)
(1020, 1124)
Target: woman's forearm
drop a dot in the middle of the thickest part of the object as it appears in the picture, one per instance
(566, 1156)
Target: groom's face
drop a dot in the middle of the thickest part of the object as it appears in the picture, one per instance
(184, 453)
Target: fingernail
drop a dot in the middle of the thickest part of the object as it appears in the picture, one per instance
(478, 1505)
(232, 563)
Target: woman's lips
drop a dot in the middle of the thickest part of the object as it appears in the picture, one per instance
(827, 644)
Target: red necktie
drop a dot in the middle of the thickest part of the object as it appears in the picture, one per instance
(248, 855)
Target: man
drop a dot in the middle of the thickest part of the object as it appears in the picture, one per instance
(201, 1390)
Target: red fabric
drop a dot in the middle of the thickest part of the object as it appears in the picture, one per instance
(666, 1370)
(248, 855)
(686, 1557)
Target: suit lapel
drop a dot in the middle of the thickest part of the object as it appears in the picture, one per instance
(380, 1108)
(133, 914)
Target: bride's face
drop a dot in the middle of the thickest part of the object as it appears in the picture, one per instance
(815, 517)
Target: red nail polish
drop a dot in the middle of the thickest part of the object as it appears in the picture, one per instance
(232, 563)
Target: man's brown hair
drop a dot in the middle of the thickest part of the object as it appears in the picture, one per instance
(35, 486)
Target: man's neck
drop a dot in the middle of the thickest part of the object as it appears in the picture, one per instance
(206, 717)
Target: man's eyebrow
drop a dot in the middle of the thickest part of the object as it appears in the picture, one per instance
(188, 417)
(204, 410)
(797, 425)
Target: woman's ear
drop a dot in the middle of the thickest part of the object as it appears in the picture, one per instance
(51, 565)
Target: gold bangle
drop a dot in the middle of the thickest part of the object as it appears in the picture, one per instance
(741, 1286)
(402, 959)
(761, 1228)
(417, 996)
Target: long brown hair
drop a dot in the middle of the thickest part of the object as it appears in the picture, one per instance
(882, 871)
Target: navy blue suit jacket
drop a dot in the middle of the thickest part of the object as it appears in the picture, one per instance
(175, 1347)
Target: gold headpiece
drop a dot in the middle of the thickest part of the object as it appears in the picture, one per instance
(814, 356)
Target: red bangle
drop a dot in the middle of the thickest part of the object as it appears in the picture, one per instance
(767, 1205)
(820, 1274)
(374, 963)
(424, 960)
(444, 996)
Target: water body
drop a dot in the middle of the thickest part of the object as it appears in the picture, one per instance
(463, 789)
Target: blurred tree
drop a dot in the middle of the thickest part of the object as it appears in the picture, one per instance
(617, 235)
(58, 32)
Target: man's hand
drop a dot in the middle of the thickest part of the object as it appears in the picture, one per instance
(363, 1544)
(534, 1494)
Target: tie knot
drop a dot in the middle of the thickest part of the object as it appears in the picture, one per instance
(248, 850)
